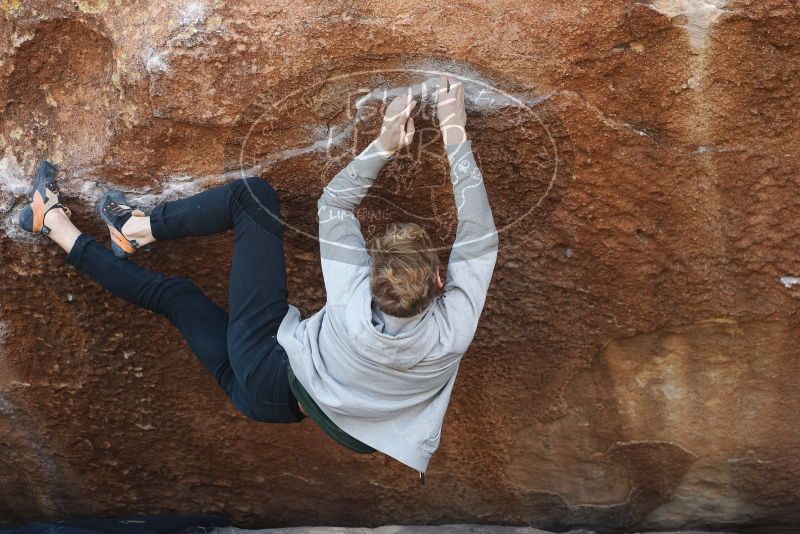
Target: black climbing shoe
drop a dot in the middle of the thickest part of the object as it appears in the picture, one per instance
(115, 212)
(44, 197)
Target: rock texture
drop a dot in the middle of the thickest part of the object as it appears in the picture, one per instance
(637, 360)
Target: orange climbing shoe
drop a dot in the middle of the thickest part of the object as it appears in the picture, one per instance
(44, 197)
(115, 211)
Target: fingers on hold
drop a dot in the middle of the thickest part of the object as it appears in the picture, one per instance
(396, 108)
(400, 101)
(444, 85)
(458, 92)
(409, 131)
(409, 108)
(404, 100)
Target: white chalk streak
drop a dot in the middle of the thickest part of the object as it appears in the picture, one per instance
(193, 13)
(701, 15)
(789, 281)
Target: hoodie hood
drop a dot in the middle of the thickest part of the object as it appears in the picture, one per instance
(397, 342)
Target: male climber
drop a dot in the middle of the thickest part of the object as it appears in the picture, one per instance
(374, 368)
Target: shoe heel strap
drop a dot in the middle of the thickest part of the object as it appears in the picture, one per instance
(46, 229)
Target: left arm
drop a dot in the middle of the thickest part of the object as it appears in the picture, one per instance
(344, 256)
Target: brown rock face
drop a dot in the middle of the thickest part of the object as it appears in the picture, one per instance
(637, 360)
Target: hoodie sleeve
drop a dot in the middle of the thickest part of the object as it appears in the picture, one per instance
(345, 261)
(474, 253)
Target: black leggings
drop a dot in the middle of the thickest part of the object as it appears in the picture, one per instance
(239, 348)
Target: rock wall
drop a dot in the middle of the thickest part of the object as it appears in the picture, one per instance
(637, 358)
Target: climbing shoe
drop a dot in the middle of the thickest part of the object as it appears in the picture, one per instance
(115, 211)
(44, 197)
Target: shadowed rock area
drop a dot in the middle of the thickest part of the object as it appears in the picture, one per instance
(636, 363)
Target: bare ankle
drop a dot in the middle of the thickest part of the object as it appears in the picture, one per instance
(62, 231)
(55, 218)
(138, 228)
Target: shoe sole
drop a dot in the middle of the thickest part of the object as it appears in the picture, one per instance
(120, 246)
(32, 217)
(38, 212)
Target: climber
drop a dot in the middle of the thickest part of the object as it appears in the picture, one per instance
(374, 368)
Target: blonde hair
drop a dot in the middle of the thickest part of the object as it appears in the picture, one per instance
(404, 270)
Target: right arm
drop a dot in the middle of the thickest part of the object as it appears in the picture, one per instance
(474, 253)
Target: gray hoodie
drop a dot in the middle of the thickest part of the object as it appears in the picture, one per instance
(384, 380)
